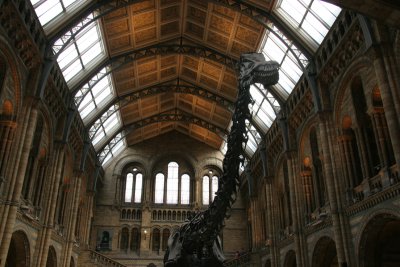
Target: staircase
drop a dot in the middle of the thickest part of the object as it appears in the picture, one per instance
(90, 258)
(243, 261)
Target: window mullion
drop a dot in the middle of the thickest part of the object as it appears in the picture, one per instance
(63, 6)
(133, 188)
(308, 7)
(165, 188)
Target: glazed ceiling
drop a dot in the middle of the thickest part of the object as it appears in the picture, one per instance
(150, 67)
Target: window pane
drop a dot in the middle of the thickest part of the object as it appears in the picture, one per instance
(172, 183)
(159, 189)
(128, 187)
(206, 190)
(185, 189)
(49, 9)
(214, 186)
(138, 188)
(314, 17)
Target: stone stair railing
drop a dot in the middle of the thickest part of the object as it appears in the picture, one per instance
(101, 260)
(242, 261)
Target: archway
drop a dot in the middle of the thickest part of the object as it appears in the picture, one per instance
(290, 259)
(18, 252)
(324, 254)
(51, 258)
(72, 262)
(380, 242)
(268, 263)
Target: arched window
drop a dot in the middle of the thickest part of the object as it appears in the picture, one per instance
(185, 189)
(124, 238)
(165, 236)
(206, 190)
(172, 183)
(173, 187)
(159, 189)
(210, 187)
(156, 240)
(135, 239)
(133, 187)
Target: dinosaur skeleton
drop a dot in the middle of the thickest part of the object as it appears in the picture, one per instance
(196, 243)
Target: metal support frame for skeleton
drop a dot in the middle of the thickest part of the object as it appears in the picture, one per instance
(196, 243)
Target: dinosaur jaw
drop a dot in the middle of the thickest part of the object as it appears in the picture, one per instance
(266, 74)
(254, 69)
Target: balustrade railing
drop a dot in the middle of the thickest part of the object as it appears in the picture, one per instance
(243, 260)
(376, 184)
(101, 260)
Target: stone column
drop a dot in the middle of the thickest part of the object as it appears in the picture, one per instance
(49, 204)
(384, 74)
(272, 239)
(88, 218)
(383, 160)
(301, 252)
(72, 214)
(308, 191)
(10, 169)
(363, 154)
(17, 174)
(7, 130)
(334, 191)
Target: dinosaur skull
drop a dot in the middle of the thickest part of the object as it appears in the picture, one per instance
(254, 69)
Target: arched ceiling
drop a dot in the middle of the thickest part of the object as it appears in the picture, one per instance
(138, 69)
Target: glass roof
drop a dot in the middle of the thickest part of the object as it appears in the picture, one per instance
(312, 17)
(47, 10)
(94, 95)
(81, 48)
(81, 52)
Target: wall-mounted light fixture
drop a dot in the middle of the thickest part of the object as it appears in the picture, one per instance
(145, 234)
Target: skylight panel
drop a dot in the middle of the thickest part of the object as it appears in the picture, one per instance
(118, 147)
(290, 70)
(94, 95)
(313, 17)
(47, 10)
(251, 145)
(112, 149)
(263, 112)
(83, 49)
(105, 126)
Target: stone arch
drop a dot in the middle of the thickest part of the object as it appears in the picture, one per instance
(125, 160)
(72, 262)
(205, 163)
(290, 259)
(19, 250)
(324, 254)
(51, 257)
(354, 69)
(379, 244)
(281, 197)
(268, 263)
(7, 59)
